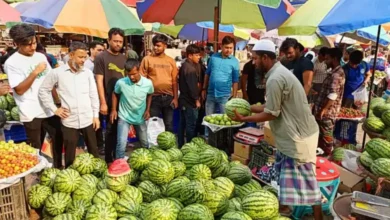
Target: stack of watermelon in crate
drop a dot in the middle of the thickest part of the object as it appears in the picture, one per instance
(378, 122)
(196, 182)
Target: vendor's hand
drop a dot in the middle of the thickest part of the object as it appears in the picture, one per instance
(175, 103)
(4, 89)
(104, 109)
(96, 123)
(113, 116)
(321, 114)
(237, 116)
(198, 104)
(40, 68)
(365, 83)
(146, 115)
(62, 112)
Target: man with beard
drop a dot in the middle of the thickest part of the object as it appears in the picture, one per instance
(109, 67)
(294, 128)
(297, 63)
(79, 109)
(26, 70)
(162, 70)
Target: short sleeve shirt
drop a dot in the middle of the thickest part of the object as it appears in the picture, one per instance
(132, 102)
(298, 67)
(255, 83)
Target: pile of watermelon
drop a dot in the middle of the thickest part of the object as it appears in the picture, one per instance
(379, 117)
(196, 182)
(7, 103)
(376, 157)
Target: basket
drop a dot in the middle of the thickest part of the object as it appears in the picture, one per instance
(13, 202)
(372, 134)
(222, 139)
(17, 133)
(260, 156)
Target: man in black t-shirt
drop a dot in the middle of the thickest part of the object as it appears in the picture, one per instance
(297, 63)
(253, 83)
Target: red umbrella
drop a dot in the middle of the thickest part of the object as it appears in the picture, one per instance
(8, 13)
(129, 3)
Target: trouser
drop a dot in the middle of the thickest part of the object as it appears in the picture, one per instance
(110, 138)
(325, 139)
(71, 137)
(99, 132)
(36, 130)
(123, 133)
(215, 102)
(161, 104)
(199, 127)
(188, 120)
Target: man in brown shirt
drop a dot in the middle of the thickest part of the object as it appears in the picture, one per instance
(162, 70)
(109, 67)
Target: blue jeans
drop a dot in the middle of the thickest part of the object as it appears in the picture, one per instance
(215, 102)
(123, 133)
(188, 120)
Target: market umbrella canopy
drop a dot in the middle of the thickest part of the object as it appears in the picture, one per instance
(336, 16)
(8, 14)
(367, 34)
(89, 17)
(237, 12)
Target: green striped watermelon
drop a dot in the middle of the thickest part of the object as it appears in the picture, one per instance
(192, 192)
(15, 113)
(48, 176)
(160, 171)
(3, 103)
(217, 202)
(191, 159)
(211, 157)
(225, 157)
(166, 140)
(66, 216)
(198, 141)
(67, 181)
(84, 163)
(161, 154)
(199, 172)
(55, 204)
(246, 189)
(175, 154)
(195, 212)
(132, 192)
(224, 185)
(163, 189)
(144, 175)
(139, 159)
(179, 168)
(386, 133)
(240, 105)
(101, 211)
(129, 217)
(366, 159)
(10, 100)
(178, 204)
(386, 117)
(236, 216)
(117, 184)
(126, 206)
(374, 125)
(161, 209)
(376, 101)
(189, 147)
(37, 195)
(84, 192)
(338, 154)
(150, 192)
(381, 167)
(234, 205)
(90, 179)
(378, 148)
(235, 163)
(260, 205)
(105, 196)
(380, 109)
(221, 170)
(208, 184)
(271, 190)
(101, 185)
(78, 208)
(281, 218)
(133, 176)
(239, 174)
(99, 167)
(175, 187)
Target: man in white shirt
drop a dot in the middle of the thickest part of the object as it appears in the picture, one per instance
(95, 48)
(79, 109)
(26, 70)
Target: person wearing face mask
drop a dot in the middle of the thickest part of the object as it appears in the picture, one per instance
(79, 111)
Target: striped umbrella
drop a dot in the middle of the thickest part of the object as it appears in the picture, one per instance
(243, 13)
(89, 17)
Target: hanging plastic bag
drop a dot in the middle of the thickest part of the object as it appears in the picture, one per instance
(360, 96)
(154, 126)
(132, 133)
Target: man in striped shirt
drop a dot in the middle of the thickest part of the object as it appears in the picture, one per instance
(319, 72)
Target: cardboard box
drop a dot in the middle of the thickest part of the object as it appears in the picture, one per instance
(349, 181)
(242, 150)
(268, 136)
(242, 160)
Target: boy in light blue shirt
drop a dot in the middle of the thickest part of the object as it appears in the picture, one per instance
(134, 92)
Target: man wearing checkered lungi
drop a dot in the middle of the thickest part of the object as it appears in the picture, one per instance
(294, 128)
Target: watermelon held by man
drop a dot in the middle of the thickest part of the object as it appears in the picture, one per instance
(236, 104)
(3, 103)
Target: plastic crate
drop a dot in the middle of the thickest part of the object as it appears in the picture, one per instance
(261, 155)
(222, 139)
(17, 133)
(13, 202)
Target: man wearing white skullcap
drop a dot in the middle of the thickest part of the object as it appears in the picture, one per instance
(294, 128)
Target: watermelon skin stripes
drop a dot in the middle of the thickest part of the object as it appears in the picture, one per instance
(101, 211)
(67, 181)
(378, 148)
(374, 125)
(37, 195)
(261, 205)
(236, 216)
(381, 167)
(166, 140)
(195, 212)
(56, 203)
(241, 105)
(366, 159)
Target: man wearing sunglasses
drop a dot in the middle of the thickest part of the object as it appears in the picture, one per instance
(95, 48)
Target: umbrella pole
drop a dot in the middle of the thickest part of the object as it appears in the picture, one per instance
(372, 78)
(341, 40)
(216, 26)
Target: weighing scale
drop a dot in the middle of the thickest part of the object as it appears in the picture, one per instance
(250, 135)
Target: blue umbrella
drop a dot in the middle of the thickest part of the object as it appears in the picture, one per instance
(369, 34)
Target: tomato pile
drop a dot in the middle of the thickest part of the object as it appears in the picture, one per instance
(350, 113)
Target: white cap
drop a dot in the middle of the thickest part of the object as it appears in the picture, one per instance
(264, 45)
